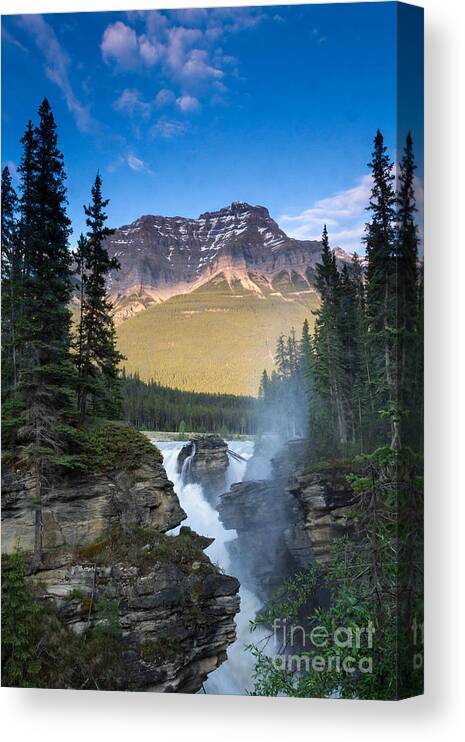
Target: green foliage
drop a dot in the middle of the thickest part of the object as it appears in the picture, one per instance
(214, 339)
(97, 358)
(144, 546)
(362, 640)
(40, 651)
(361, 372)
(283, 396)
(11, 277)
(102, 655)
(20, 637)
(164, 648)
(109, 446)
(149, 406)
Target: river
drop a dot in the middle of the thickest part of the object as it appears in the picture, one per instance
(235, 676)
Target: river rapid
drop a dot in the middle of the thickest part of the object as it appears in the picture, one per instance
(235, 675)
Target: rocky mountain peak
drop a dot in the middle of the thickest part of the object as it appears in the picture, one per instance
(161, 256)
(237, 208)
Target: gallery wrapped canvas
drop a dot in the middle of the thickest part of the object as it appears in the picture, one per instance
(212, 372)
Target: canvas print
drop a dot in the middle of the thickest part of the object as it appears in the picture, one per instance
(212, 351)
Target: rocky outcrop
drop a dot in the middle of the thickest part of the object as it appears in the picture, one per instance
(324, 499)
(287, 522)
(204, 460)
(176, 612)
(105, 540)
(78, 509)
(259, 512)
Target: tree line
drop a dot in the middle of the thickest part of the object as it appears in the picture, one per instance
(359, 376)
(151, 406)
(55, 373)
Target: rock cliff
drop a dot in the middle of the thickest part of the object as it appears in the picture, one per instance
(324, 499)
(78, 509)
(259, 512)
(287, 522)
(205, 460)
(105, 542)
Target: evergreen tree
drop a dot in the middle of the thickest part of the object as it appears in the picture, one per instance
(264, 386)
(97, 356)
(292, 352)
(380, 238)
(20, 663)
(328, 350)
(407, 286)
(11, 274)
(46, 374)
(305, 345)
(282, 357)
(28, 171)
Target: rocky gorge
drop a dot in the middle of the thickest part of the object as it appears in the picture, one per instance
(285, 521)
(112, 539)
(104, 541)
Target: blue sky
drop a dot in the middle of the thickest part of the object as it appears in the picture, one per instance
(185, 111)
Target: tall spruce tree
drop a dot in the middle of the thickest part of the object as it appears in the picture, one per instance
(382, 289)
(28, 171)
(46, 375)
(97, 356)
(407, 288)
(329, 373)
(11, 275)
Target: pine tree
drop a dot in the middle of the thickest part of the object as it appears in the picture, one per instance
(292, 352)
(46, 375)
(382, 287)
(352, 332)
(282, 357)
(11, 274)
(407, 283)
(305, 342)
(97, 357)
(28, 171)
(20, 662)
(328, 350)
(264, 386)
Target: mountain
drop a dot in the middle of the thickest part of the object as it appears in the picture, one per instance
(199, 302)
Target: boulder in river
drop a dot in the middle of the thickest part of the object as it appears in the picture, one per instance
(204, 460)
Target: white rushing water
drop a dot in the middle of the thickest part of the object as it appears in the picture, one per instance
(235, 675)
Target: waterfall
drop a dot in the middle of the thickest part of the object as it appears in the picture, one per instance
(186, 467)
(234, 676)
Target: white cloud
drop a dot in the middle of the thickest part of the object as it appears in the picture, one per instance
(10, 39)
(168, 129)
(135, 163)
(131, 102)
(57, 64)
(343, 213)
(188, 104)
(197, 66)
(120, 45)
(150, 52)
(184, 44)
(164, 97)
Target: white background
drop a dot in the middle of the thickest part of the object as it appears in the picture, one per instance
(88, 716)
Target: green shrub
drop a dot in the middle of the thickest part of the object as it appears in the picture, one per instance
(159, 650)
(109, 446)
(145, 546)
